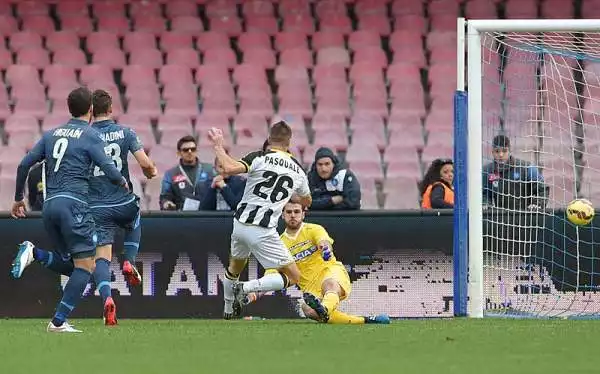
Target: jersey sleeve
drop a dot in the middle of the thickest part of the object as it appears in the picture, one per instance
(135, 144)
(303, 189)
(249, 159)
(319, 234)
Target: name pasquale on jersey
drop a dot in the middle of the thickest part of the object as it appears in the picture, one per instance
(288, 164)
(68, 133)
(112, 136)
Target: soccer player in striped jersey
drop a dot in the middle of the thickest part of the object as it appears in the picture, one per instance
(274, 178)
(324, 280)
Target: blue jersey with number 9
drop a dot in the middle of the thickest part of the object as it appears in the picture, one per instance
(69, 152)
(120, 141)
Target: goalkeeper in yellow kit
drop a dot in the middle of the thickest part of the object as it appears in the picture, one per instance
(324, 280)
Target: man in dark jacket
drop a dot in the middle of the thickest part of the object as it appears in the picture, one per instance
(223, 192)
(332, 186)
(179, 183)
(511, 183)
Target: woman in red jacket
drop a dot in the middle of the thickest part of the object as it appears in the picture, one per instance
(436, 188)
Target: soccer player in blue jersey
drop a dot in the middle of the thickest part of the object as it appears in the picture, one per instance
(113, 207)
(69, 152)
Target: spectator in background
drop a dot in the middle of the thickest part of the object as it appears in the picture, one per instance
(332, 186)
(223, 192)
(511, 183)
(179, 183)
(35, 188)
(436, 187)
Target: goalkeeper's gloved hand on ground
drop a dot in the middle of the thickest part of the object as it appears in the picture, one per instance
(326, 252)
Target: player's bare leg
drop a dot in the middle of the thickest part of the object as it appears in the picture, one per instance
(280, 279)
(232, 307)
(102, 280)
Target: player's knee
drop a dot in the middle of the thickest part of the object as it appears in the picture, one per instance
(331, 285)
(293, 275)
(86, 263)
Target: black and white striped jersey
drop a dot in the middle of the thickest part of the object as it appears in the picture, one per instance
(273, 176)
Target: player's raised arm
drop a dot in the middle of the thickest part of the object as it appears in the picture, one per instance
(31, 158)
(104, 162)
(230, 165)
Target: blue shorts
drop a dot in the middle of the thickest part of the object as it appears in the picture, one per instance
(110, 218)
(70, 226)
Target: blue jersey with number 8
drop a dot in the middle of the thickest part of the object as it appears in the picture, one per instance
(120, 141)
(69, 152)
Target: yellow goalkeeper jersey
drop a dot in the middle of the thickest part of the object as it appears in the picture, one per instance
(305, 250)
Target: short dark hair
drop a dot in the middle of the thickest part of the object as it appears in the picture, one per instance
(79, 101)
(501, 141)
(280, 134)
(185, 139)
(101, 103)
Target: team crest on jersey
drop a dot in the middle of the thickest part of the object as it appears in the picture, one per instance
(305, 253)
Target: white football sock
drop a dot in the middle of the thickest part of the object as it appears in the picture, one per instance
(270, 282)
(228, 293)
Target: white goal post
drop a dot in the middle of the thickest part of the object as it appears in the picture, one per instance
(511, 264)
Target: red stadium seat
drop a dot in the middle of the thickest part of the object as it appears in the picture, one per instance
(148, 57)
(113, 58)
(179, 91)
(484, 9)
(54, 120)
(144, 106)
(134, 121)
(55, 75)
(25, 39)
(187, 24)
(371, 136)
(249, 73)
(179, 8)
(329, 72)
(21, 74)
(73, 57)
(331, 138)
(61, 40)
(300, 57)
(258, 107)
(363, 38)
(414, 23)
(205, 121)
(182, 107)
(372, 55)
(325, 39)
(21, 123)
(34, 107)
(254, 39)
(168, 121)
(138, 75)
(336, 22)
(259, 8)
(261, 56)
(108, 7)
(39, 24)
(325, 121)
(333, 105)
(366, 171)
(221, 8)
(187, 57)
(288, 39)
(226, 24)
(295, 106)
(211, 39)
(72, 9)
(365, 71)
(220, 56)
(294, 7)
(152, 24)
(6, 59)
(218, 107)
(23, 139)
(139, 40)
(302, 23)
(286, 73)
(526, 9)
(215, 72)
(329, 8)
(251, 124)
(445, 7)
(333, 56)
(37, 57)
(93, 72)
(114, 23)
(101, 40)
(267, 24)
(173, 40)
(8, 24)
(82, 26)
(145, 9)
(376, 23)
(399, 167)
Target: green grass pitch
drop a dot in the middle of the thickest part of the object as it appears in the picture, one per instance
(281, 346)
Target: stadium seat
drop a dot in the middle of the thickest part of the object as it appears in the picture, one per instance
(229, 25)
(144, 106)
(180, 8)
(174, 40)
(335, 139)
(187, 57)
(363, 38)
(406, 166)
(173, 135)
(112, 58)
(258, 107)
(525, 9)
(147, 57)
(302, 23)
(220, 56)
(114, 23)
(266, 24)
(8, 25)
(137, 40)
(23, 139)
(336, 22)
(21, 123)
(211, 39)
(403, 8)
(333, 56)
(101, 39)
(175, 73)
(187, 24)
(25, 39)
(254, 39)
(145, 8)
(300, 57)
(482, 10)
(218, 107)
(375, 22)
(39, 24)
(367, 172)
(212, 73)
(73, 57)
(36, 57)
(54, 120)
(329, 8)
(263, 57)
(363, 152)
(96, 72)
(414, 23)
(326, 39)
(6, 59)
(288, 39)
(82, 26)
(72, 9)
(58, 40)
(138, 75)
(325, 121)
(148, 23)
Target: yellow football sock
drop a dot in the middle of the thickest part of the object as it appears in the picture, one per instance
(341, 318)
(331, 301)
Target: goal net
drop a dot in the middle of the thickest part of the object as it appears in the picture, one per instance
(540, 148)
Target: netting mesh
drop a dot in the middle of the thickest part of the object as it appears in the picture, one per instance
(542, 91)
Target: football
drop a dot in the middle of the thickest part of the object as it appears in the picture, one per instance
(580, 212)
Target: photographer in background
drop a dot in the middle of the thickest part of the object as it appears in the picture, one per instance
(511, 183)
(333, 187)
(179, 183)
(35, 188)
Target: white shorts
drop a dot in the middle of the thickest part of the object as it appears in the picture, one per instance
(263, 243)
